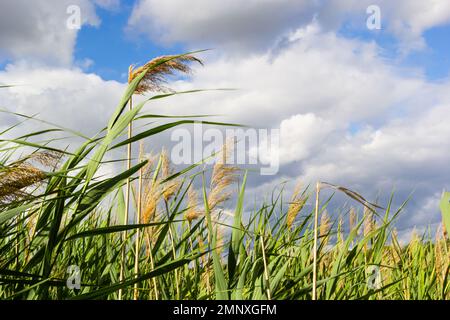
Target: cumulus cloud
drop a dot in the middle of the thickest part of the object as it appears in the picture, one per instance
(37, 30)
(234, 24)
(65, 96)
(346, 115)
(405, 19)
(318, 72)
(258, 25)
(299, 137)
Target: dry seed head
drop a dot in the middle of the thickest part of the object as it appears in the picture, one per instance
(192, 211)
(222, 177)
(16, 178)
(444, 230)
(219, 194)
(369, 221)
(352, 218)
(150, 207)
(170, 187)
(151, 197)
(325, 223)
(49, 159)
(297, 190)
(439, 253)
(296, 205)
(158, 69)
(340, 235)
(165, 164)
(414, 242)
(293, 211)
(325, 226)
(415, 236)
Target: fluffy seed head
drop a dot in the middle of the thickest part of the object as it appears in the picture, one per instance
(223, 176)
(170, 187)
(352, 218)
(14, 179)
(158, 69)
(369, 221)
(296, 205)
(192, 211)
(325, 226)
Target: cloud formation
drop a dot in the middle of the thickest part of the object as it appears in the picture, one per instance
(258, 25)
(65, 96)
(37, 30)
(346, 114)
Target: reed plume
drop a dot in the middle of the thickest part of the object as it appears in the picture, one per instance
(296, 205)
(156, 72)
(169, 188)
(325, 227)
(158, 69)
(352, 218)
(340, 234)
(369, 221)
(21, 174)
(151, 193)
(223, 176)
(441, 262)
(192, 213)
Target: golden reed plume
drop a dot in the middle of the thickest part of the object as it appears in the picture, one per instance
(158, 69)
(223, 176)
(192, 213)
(296, 205)
(17, 177)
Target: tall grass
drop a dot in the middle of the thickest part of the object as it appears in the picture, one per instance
(58, 211)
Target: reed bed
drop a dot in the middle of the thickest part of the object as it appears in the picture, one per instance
(56, 211)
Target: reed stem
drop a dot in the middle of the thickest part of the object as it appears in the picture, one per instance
(316, 222)
(127, 205)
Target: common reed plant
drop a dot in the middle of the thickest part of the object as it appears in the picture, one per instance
(56, 211)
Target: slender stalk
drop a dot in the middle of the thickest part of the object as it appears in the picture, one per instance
(127, 204)
(152, 265)
(316, 222)
(173, 251)
(266, 271)
(138, 235)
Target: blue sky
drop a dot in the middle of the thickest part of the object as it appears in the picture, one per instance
(112, 48)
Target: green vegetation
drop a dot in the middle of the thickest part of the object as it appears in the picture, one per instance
(58, 211)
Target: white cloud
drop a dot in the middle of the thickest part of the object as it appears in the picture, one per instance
(233, 24)
(300, 136)
(347, 115)
(405, 19)
(320, 73)
(67, 97)
(257, 25)
(37, 30)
